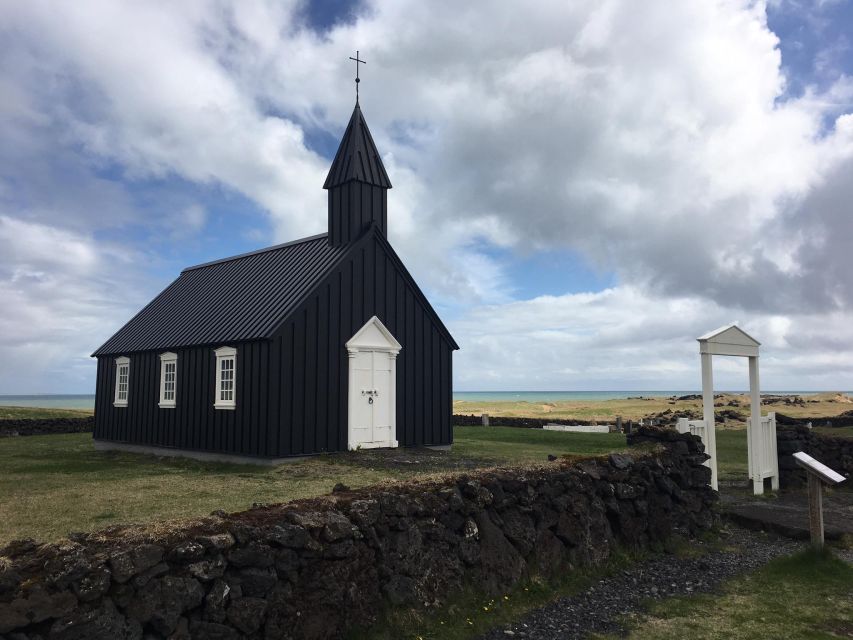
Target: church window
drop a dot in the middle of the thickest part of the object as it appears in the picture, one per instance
(168, 380)
(226, 378)
(122, 381)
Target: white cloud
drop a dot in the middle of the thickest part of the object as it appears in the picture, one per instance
(624, 338)
(655, 143)
(61, 291)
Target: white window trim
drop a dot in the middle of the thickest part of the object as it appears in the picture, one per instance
(166, 358)
(121, 362)
(223, 353)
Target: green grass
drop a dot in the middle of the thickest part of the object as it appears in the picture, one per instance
(808, 595)
(34, 413)
(50, 485)
(732, 457)
(530, 445)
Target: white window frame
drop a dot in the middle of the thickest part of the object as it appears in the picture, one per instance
(223, 354)
(165, 360)
(118, 401)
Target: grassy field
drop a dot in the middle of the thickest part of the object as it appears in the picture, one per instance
(820, 405)
(18, 413)
(732, 458)
(809, 595)
(50, 485)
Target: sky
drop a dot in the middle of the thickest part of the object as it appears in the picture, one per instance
(581, 189)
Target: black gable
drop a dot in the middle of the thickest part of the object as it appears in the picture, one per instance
(240, 298)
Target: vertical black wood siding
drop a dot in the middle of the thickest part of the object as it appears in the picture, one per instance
(194, 423)
(353, 207)
(292, 391)
(314, 385)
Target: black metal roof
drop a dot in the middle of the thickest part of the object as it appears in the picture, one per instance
(239, 298)
(357, 157)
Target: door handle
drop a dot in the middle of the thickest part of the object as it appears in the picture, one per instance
(370, 400)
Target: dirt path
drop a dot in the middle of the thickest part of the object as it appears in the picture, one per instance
(599, 608)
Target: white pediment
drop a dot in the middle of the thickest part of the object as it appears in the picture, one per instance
(373, 336)
(730, 340)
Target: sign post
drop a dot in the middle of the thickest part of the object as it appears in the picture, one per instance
(818, 475)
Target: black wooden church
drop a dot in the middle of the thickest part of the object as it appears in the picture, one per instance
(320, 344)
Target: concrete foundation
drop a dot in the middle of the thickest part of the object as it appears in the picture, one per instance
(206, 456)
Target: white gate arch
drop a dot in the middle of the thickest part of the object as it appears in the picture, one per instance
(731, 340)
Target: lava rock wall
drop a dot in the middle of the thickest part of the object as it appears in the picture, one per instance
(836, 452)
(461, 420)
(46, 426)
(315, 568)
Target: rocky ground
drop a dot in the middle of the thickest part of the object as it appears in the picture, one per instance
(599, 608)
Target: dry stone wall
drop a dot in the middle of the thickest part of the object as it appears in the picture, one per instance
(836, 452)
(41, 427)
(313, 569)
(842, 420)
(509, 421)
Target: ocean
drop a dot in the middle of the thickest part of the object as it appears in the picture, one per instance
(562, 396)
(84, 401)
(50, 401)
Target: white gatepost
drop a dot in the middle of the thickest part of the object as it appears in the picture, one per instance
(731, 340)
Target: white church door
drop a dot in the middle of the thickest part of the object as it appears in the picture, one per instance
(372, 387)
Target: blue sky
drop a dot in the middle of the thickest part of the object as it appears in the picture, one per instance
(580, 197)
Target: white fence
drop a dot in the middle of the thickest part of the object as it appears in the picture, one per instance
(763, 461)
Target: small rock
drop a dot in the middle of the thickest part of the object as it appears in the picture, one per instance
(289, 535)
(187, 552)
(218, 541)
(337, 527)
(207, 570)
(620, 461)
(247, 614)
(255, 554)
(94, 585)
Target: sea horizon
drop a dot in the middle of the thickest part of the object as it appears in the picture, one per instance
(87, 401)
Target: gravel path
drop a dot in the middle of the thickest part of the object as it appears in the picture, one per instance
(598, 608)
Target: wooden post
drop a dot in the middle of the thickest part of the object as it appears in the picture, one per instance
(753, 429)
(816, 510)
(485, 419)
(708, 415)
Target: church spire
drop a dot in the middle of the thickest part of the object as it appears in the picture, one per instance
(357, 157)
(357, 184)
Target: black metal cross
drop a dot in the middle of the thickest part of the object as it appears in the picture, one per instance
(357, 61)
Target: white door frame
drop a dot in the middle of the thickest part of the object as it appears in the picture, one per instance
(373, 336)
(731, 340)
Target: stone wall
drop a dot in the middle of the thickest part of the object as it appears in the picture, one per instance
(46, 426)
(842, 420)
(314, 568)
(505, 421)
(836, 452)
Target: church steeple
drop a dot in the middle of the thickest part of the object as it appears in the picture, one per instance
(357, 184)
